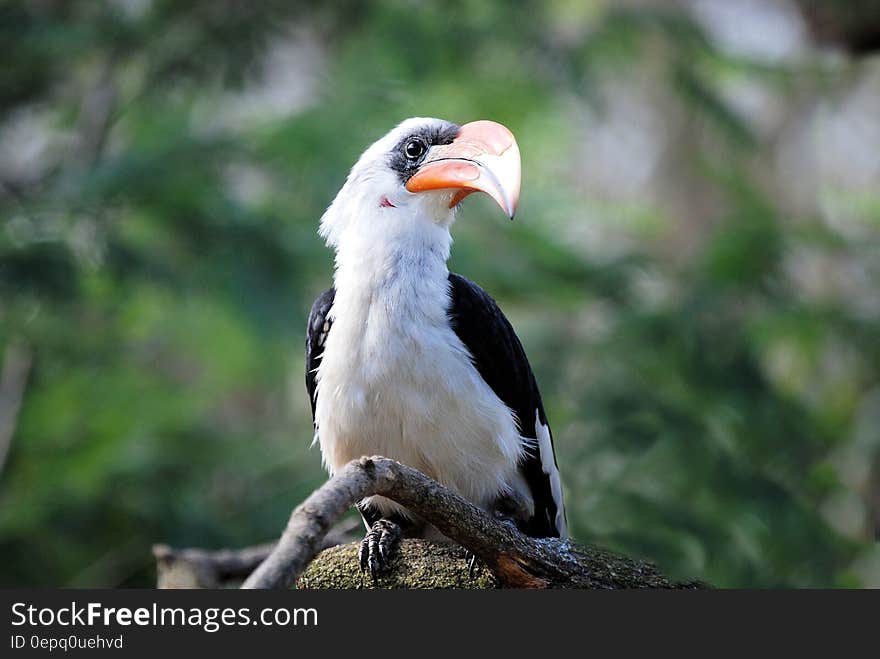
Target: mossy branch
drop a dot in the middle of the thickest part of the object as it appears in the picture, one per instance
(513, 559)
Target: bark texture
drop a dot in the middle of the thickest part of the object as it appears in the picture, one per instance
(513, 560)
(508, 558)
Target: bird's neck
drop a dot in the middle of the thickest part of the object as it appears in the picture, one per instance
(403, 273)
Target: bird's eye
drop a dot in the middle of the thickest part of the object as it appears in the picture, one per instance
(414, 149)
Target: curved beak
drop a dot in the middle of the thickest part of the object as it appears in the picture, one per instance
(484, 157)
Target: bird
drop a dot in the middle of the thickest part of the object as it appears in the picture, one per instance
(410, 361)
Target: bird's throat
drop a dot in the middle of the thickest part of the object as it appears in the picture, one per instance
(394, 266)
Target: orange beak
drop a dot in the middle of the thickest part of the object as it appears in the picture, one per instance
(484, 157)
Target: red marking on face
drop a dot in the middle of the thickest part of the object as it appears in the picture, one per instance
(385, 203)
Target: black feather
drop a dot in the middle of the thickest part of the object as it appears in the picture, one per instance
(501, 361)
(316, 338)
(429, 136)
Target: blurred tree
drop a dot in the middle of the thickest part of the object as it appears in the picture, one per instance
(853, 25)
(163, 166)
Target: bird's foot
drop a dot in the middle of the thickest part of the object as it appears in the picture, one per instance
(379, 546)
(506, 518)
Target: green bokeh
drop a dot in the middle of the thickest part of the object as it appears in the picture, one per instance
(164, 308)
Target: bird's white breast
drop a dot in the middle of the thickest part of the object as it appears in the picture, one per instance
(395, 380)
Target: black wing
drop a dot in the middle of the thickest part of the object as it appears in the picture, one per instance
(316, 336)
(501, 361)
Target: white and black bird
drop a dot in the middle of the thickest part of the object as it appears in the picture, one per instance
(407, 360)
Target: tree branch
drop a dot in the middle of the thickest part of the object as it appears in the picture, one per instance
(514, 559)
(204, 568)
(198, 568)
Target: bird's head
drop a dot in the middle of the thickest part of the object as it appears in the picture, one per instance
(416, 176)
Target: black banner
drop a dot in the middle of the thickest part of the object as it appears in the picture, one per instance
(122, 623)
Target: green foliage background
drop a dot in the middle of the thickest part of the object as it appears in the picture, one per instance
(159, 255)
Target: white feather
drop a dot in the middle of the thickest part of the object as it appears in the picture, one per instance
(548, 466)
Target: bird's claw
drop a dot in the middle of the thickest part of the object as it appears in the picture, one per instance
(507, 519)
(378, 547)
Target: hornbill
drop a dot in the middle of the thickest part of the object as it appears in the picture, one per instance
(410, 361)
